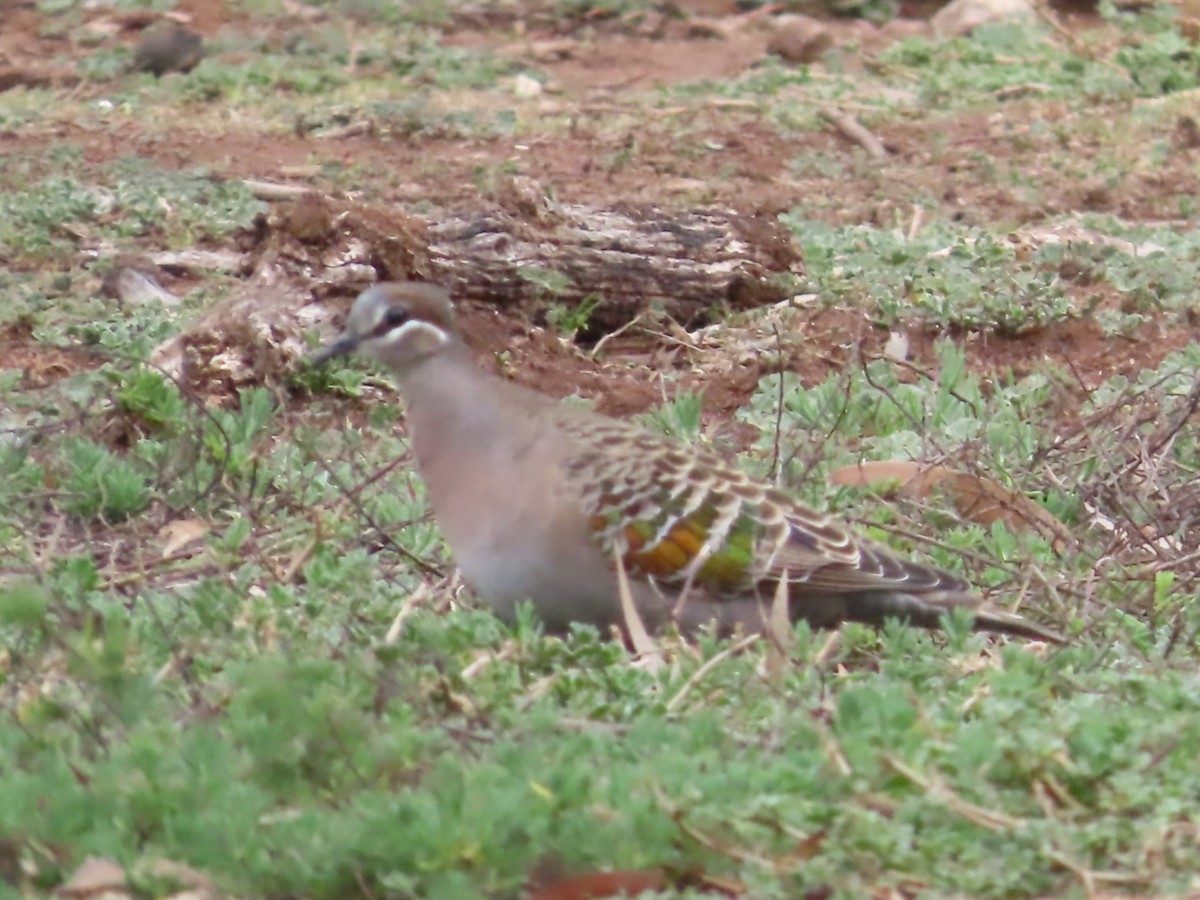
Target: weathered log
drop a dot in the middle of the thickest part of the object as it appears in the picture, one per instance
(524, 251)
(692, 264)
(529, 251)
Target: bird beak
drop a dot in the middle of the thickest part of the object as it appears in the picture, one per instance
(339, 346)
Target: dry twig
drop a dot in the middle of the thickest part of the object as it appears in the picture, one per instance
(851, 128)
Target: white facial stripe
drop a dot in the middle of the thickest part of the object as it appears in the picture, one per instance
(398, 336)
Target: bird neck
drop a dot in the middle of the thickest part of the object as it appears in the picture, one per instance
(451, 403)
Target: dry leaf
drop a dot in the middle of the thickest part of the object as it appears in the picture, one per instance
(642, 643)
(897, 346)
(806, 848)
(627, 883)
(194, 884)
(779, 633)
(984, 501)
(976, 498)
(96, 877)
(632, 883)
(178, 534)
(869, 473)
(407, 608)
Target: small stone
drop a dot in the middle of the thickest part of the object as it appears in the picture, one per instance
(897, 346)
(553, 50)
(168, 48)
(799, 40)
(708, 7)
(133, 287)
(526, 86)
(1097, 196)
(961, 17)
(1187, 133)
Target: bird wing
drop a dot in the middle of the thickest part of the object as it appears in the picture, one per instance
(824, 555)
(684, 515)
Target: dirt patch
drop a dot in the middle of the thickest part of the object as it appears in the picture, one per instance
(535, 357)
(620, 62)
(41, 365)
(628, 378)
(604, 149)
(208, 17)
(727, 159)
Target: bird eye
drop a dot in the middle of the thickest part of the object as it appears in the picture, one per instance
(395, 315)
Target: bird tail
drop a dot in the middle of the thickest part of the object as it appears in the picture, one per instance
(925, 610)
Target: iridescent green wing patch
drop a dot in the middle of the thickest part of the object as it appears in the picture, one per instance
(666, 546)
(679, 514)
(673, 514)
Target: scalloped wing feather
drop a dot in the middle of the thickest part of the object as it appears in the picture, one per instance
(686, 516)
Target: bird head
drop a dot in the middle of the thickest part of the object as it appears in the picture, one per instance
(397, 324)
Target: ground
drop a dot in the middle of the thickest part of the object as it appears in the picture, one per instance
(231, 641)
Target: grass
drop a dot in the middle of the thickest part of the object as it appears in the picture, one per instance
(46, 217)
(231, 636)
(248, 705)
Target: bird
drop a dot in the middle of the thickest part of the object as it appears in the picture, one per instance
(560, 506)
(168, 47)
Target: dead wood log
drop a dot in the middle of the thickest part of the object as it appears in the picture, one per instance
(525, 252)
(528, 251)
(691, 264)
